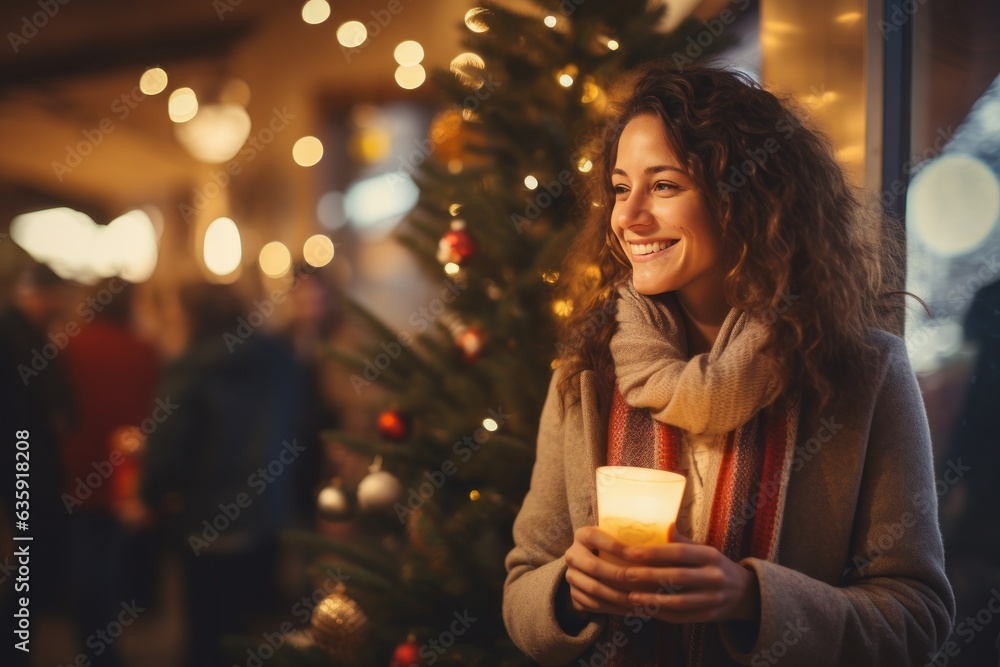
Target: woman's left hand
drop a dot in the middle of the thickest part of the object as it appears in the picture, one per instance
(691, 583)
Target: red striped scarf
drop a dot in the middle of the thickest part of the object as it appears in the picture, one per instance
(745, 519)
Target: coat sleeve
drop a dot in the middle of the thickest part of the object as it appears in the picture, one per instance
(894, 605)
(543, 531)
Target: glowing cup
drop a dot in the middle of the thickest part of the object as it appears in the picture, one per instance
(637, 506)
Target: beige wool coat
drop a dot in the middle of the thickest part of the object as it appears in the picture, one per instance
(859, 579)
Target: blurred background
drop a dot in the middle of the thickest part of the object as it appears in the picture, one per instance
(193, 193)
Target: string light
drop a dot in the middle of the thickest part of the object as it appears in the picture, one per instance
(584, 165)
(410, 77)
(550, 21)
(307, 151)
(451, 268)
(352, 34)
(315, 12)
(153, 81)
(475, 19)
(274, 259)
(183, 105)
(317, 250)
(530, 182)
(490, 425)
(408, 53)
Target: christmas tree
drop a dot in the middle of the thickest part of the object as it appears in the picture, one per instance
(455, 444)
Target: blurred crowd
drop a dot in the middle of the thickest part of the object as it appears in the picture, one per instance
(183, 420)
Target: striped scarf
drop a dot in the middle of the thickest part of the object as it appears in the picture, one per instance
(747, 508)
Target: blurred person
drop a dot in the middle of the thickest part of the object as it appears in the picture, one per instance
(314, 319)
(972, 541)
(218, 464)
(36, 399)
(114, 375)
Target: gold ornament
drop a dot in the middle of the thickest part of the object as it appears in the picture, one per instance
(340, 627)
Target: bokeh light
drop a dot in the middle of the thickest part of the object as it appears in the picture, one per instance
(307, 151)
(317, 250)
(153, 81)
(223, 250)
(183, 105)
(954, 204)
(275, 259)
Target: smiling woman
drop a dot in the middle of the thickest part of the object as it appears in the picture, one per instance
(748, 353)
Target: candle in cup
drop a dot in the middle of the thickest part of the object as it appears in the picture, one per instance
(637, 506)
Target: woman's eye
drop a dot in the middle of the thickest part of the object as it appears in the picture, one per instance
(620, 189)
(663, 186)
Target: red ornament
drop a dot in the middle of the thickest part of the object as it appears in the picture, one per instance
(393, 425)
(457, 245)
(407, 654)
(470, 341)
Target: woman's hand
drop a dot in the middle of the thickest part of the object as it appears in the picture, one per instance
(595, 585)
(696, 583)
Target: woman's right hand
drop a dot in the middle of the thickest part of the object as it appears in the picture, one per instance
(595, 585)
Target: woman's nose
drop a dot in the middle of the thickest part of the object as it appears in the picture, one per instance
(634, 211)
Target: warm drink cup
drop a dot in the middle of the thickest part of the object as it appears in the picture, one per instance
(637, 506)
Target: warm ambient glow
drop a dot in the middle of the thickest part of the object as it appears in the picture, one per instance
(77, 248)
(223, 251)
(275, 259)
(550, 21)
(475, 19)
(307, 151)
(530, 182)
(315, 11)
(153, 81)
(352, 34)
(954, 204)
(468, 68)
(408, 53)
(317, 250)
(183, 105)
(410, 77)
(216, 133)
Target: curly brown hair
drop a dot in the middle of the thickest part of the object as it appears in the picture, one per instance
(792, 230)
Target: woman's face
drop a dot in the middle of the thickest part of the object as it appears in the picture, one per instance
(660, 219)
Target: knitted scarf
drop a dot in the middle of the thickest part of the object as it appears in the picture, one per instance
(661, 392)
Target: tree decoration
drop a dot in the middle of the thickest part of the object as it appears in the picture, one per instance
(340, 626)
(379, 490)
(457, 245)
(333, 503)
(470, 340)
(393, 425)
(407, 654)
